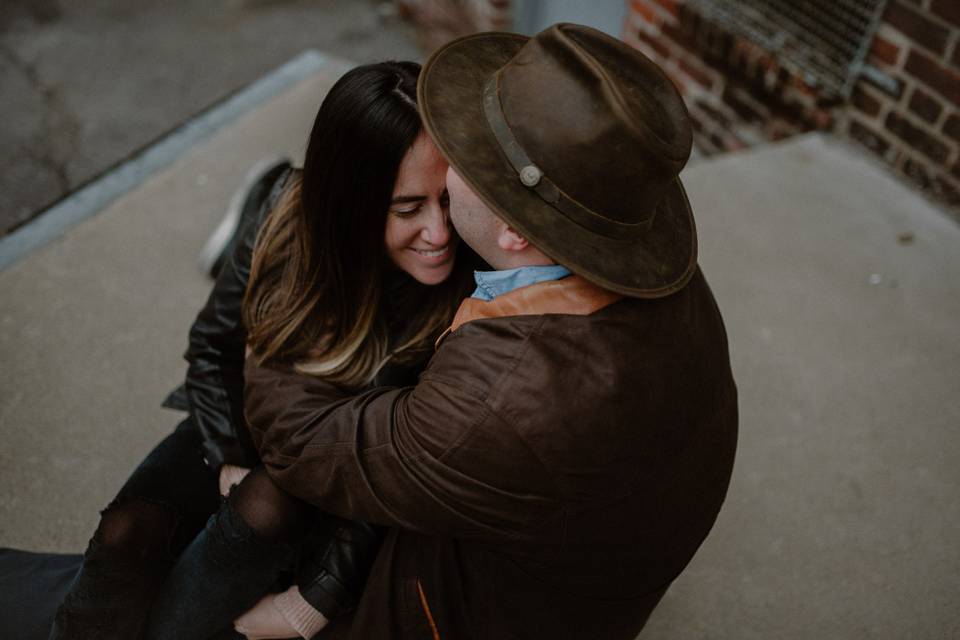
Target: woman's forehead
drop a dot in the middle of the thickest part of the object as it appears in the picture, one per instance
(422, 169)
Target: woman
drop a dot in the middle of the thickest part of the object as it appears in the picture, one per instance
(353, 277)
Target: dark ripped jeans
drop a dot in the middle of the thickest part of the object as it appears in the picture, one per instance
(132, 585)
(160, 509)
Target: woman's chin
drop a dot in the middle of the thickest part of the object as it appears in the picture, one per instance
(427, 268)
(431, 276)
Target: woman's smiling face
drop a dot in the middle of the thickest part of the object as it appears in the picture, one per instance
(419, 237)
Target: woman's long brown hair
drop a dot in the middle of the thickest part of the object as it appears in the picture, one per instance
(316, 298)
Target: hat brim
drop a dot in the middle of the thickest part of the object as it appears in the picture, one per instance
(661, 261)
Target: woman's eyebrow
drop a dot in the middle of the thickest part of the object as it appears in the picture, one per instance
(404, 199)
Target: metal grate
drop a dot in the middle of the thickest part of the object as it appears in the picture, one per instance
(825, 41)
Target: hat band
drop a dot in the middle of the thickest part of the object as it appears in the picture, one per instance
(535, 179)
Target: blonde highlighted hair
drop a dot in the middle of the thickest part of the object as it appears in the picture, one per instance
(317, 297)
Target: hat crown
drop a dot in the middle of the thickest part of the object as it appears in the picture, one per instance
(597, 117)
(576, 140)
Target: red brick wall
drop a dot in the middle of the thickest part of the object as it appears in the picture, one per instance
(916, 126)
(439, 21)
(739, 95)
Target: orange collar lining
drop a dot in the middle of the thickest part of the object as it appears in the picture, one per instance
(571, 295)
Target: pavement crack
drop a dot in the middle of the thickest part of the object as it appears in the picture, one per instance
(59, 123)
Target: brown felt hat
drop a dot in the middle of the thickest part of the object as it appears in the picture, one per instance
(576, 140)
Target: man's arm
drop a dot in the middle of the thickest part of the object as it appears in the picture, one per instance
(433, 458)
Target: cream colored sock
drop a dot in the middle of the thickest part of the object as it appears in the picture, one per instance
(299, 613)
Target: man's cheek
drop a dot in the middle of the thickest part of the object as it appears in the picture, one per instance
(457, 219)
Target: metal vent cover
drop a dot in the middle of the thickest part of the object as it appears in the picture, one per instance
(824, 41)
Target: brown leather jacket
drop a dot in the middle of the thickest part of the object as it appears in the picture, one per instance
(560, 461)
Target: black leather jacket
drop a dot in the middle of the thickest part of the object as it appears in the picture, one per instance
(213, 390)
(332, 574)
(214, 384)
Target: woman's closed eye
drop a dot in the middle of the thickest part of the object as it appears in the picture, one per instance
(406, 206)
(407, 212)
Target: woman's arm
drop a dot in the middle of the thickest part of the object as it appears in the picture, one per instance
(214, 383)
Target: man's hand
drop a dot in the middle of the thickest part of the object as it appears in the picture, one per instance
(231, 475)
(281, 615)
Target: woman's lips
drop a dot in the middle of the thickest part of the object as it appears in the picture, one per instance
(433, 256)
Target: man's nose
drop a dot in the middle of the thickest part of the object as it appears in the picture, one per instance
(436, 231)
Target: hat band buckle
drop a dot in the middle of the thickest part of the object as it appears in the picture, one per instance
(534, 178)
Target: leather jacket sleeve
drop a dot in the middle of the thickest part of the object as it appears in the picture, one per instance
(334, 567)
(214, 384)
(420, 459)
(332, 575)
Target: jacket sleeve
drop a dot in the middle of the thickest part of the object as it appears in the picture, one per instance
(214, 384)
(434, 458)
(335, 561)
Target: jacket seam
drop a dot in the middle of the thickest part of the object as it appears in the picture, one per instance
(490, 411)
(485, 399)
(536, 330)
(524, 348)
(468, 433)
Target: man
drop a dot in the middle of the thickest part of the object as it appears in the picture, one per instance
(570, 444)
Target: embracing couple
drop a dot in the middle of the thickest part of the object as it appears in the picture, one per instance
(462, 378)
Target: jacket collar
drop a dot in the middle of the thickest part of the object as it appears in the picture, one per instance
(572, 295)
(491, 284)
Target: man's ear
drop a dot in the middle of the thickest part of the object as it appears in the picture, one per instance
(511, 240)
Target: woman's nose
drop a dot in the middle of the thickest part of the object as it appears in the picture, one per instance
(436, 231)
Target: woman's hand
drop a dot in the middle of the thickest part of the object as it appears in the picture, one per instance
(276, 614)
(230, 475)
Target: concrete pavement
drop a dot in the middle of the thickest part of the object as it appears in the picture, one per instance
(92, 327)
(839, 290)
(86, 84)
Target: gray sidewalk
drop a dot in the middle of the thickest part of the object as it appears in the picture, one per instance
(93, 327)
(839, 290)
(86, 84)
